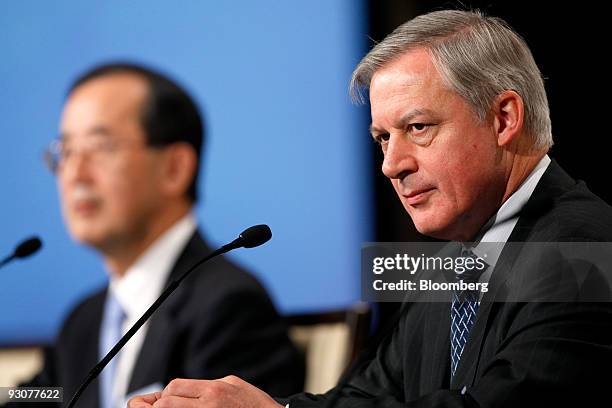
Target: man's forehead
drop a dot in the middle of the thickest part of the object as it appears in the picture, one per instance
(95, 132)
(109, 94)
(131, 81)
(412, 68)
(415, 62)
(108, 97)
(406, 87)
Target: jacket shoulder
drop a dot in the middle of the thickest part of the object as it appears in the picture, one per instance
(562, 209)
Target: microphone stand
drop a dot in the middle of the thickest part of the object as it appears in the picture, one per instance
(95, 371)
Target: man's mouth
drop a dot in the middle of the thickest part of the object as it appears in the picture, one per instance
(415, 197)
(85, 207)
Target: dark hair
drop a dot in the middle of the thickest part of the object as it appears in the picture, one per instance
(169, 115)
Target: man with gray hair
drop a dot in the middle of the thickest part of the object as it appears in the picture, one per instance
(459, 109)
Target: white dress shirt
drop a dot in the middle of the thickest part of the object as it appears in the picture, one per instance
(139, 287)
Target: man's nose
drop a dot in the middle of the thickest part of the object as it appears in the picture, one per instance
(76, 169)
(399, 158)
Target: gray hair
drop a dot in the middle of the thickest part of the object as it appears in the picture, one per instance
(477, 56)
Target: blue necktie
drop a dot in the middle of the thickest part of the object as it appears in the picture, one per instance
(110, 334)
(463, 311)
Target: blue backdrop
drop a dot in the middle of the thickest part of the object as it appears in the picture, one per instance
(286, 147)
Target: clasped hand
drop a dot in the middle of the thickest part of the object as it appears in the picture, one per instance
(227, 392)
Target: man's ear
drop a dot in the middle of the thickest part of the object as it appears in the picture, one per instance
(179, 168)
(508, 116)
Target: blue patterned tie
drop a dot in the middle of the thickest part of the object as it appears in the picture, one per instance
(110, 334)
(463, 311)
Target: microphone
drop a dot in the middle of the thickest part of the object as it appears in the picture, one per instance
(23, 250)
(252, 237)
(249, 238)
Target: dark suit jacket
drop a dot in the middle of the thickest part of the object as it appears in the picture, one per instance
(219, 321)
(519, 354)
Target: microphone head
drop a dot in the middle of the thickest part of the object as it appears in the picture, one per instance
(28, 247)
(255, 236)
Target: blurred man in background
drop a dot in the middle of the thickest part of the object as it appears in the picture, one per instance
(127, 168)
(459, 109)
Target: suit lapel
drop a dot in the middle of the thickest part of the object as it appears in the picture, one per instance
(92, 398)
(152, 363)
(83, 360)
(436, 349)
(554, 182)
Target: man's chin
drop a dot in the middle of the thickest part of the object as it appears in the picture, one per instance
(433, 227)
(444, 232)
(88, 237)
(430, 232)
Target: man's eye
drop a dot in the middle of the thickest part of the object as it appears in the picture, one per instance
(104, 147)
(418, 127)
(66, 152)
(382, 138)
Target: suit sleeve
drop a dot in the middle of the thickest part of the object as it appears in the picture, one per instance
(554, 354)
(378, 384)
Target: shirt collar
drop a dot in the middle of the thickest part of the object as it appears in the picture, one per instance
(142, 283)
(499, 227)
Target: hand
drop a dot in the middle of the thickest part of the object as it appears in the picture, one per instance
(227, 392)
(144, 401)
